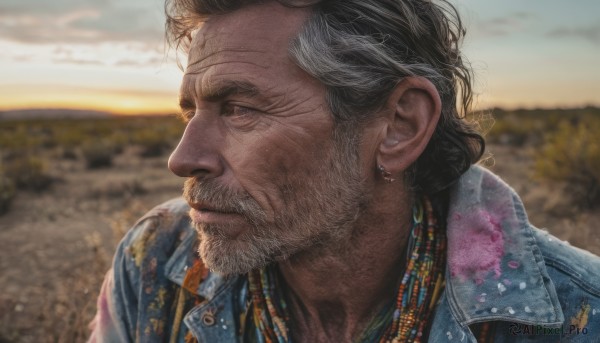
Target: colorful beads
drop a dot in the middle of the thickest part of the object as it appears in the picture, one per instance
(419, 290)
(421, 284)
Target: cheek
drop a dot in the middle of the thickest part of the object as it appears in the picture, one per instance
(274, 168)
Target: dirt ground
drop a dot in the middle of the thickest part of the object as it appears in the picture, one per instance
(56, 246)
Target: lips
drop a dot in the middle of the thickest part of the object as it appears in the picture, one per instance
(204, 213)
(205, 207)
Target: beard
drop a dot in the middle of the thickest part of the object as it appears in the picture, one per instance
(320, 206)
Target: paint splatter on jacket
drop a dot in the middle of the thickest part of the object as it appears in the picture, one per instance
(500, 269)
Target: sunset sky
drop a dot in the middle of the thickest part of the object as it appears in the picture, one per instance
(110, 55)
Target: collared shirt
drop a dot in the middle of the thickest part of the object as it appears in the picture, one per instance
(500, 269)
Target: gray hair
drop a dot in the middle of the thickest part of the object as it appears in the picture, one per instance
(360, 50)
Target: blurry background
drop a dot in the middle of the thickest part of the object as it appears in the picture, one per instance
(87, 97)
(109, 55)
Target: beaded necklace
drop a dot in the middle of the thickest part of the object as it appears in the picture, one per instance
(419, 290)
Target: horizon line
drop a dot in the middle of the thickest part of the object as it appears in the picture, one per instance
(166, 112)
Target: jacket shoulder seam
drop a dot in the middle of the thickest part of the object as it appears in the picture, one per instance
(575, 276)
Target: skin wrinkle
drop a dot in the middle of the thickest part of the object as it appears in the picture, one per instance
(275, 108)
(326, 39)
(218, 89)
(217, 48)
(262, 195)
(221, 52)
(284, 169)
(220, 63)
(303, 185)
(284, 103)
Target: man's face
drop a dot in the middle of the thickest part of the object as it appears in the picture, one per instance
(266, 176)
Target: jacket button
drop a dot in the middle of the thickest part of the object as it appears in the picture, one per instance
(208, 319)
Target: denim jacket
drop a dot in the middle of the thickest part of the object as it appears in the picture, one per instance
(500, 269)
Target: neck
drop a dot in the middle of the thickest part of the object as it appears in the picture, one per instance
(335, 292)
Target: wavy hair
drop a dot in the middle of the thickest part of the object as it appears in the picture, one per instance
(360, 50)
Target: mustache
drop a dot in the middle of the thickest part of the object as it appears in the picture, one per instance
(223, 198)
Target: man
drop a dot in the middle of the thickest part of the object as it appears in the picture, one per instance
(331, 196)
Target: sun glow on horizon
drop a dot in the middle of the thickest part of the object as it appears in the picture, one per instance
(113, 58)
(107, 100)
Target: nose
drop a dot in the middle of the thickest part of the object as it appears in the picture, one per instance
(197, 154)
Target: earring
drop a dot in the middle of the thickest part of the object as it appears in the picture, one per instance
(386, 174)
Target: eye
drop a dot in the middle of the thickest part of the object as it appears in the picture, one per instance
(236, 111)
(187, 115)
(188, 110)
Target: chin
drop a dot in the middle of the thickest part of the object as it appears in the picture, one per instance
(229, 255)
(252, 249)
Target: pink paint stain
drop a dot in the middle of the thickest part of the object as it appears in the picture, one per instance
(103, 318)
(476, 247)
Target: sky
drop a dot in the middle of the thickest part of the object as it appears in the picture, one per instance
(110, 55)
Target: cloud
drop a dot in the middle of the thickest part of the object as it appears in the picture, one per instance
(80, 21)
(589, 33)
(78, 61)
(50, 8)
(83, 32)
(156, 60)
(503, 26)
(110, 54)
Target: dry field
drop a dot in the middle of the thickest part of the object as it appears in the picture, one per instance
(55, 246)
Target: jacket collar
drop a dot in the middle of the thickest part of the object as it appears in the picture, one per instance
(495, 270)
(183, 258)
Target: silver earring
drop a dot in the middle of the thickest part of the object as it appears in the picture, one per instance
(385, 174)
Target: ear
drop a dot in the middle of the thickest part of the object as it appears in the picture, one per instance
(412, 113)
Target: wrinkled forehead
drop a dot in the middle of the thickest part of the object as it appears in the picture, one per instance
(265, 27)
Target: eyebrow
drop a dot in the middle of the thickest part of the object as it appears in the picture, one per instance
(225, 88)
(219, 90)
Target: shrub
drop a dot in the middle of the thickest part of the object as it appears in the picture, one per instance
(69, 137)
(527, 126)
(119, 141)
(119, 189)
(7, 193)
(28, 172)
(121, 221)
(69, 153)
(98, 154)
(153, 142)
(515, 129)
(572, 155)
(18, 138)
